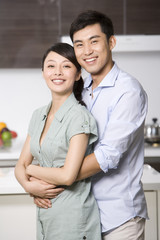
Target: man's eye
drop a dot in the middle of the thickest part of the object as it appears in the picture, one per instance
(50, 66)
(78, 45)
(94, 41)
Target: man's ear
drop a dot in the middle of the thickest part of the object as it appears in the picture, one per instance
(112, 42)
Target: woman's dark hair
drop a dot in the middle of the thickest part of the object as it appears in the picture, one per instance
(91, 17)
(67, 51)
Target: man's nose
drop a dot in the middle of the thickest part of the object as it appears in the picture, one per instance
(88, 49)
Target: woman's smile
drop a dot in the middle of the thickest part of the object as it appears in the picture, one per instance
(58, 81)
(59, 73)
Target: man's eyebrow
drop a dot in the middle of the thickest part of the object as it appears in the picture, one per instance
(77, 41)
(92, 37)
(95, 36)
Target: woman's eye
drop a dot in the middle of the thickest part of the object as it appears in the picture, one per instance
(66, 66)
(50, 66)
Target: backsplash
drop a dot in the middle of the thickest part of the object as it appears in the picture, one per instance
(23, 90)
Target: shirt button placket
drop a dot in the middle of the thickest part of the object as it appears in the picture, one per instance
(40, 157)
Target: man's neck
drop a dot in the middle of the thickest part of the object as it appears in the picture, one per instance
(97, 78)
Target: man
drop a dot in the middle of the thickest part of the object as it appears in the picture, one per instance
(119, 105)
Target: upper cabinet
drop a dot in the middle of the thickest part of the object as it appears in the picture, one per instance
(29, 27)
(71, 8)
(143, 17)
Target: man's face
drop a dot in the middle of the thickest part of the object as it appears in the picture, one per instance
(93, 51)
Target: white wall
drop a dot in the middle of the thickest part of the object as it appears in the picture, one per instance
(23, 90)
(145, 66)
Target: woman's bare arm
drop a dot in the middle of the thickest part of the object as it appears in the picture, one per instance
(67, 174)
(39, 187)
(24, 160)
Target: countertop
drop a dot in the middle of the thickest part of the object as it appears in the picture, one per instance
(14, 151)
(9, 157)
(150, 178)
(9, 184)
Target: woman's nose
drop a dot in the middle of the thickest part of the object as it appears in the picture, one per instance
(58, 71)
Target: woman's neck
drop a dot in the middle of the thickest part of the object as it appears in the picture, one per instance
(57, 101)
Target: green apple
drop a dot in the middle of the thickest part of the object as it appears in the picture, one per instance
(6, 138)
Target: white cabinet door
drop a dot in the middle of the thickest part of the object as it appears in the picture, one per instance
(158, 205)
(17, 217)
(151, 230)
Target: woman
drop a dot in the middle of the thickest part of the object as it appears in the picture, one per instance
(59, 137)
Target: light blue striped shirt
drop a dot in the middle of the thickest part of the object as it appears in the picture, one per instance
(119, 105)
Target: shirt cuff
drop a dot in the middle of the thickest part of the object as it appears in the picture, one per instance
(104, 162)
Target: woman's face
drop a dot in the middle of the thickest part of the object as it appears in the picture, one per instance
(59, 74)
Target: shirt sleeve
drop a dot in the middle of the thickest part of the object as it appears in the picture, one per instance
(83, 122)
(124, 128)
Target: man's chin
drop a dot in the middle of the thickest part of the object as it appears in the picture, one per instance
(90, 69)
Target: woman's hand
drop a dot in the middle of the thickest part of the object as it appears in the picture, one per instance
(43, 202)
(39, 188)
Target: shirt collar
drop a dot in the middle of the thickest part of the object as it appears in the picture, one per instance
(108, 80)
(70, 101)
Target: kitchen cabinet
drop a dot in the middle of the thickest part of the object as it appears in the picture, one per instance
(113, 9)
(28, 28)
(142, 17)
(18, 212)
(128, 16)
(151, 186)
(17, 217)
(153, 204)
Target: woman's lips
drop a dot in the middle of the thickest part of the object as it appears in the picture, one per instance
(58, 80)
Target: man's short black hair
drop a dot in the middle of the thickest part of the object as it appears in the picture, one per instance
(91, 17)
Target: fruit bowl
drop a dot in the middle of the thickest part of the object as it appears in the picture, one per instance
(7, 136)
